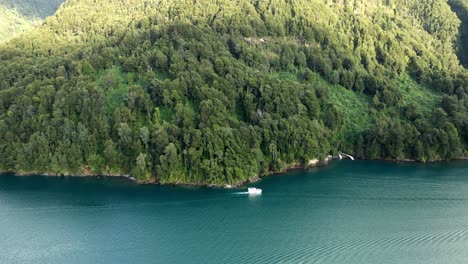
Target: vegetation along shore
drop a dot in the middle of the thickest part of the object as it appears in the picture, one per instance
(218, 92)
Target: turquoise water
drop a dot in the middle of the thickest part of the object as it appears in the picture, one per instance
(349, 212)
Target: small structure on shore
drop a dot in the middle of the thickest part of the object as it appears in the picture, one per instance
(341, 155)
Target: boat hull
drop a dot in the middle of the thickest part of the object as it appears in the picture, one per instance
(254, 191)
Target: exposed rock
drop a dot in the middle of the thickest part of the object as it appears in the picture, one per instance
(313, 163)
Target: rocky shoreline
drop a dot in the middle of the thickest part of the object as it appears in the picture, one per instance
(314, 163)
(86, 173)
(295, 166)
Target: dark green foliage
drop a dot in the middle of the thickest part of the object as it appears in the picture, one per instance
(204, 92)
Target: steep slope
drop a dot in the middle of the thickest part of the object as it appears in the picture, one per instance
(218, 92)
(13, 23)
(20, 16)
(460, 7)
(39, 9)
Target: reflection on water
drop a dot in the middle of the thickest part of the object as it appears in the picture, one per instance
(349, 212)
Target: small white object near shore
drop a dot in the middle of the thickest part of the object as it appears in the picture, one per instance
(254, 191)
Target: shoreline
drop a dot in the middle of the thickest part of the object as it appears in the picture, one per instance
(296, 166)
(315, 163)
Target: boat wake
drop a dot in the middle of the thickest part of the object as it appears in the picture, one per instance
(240, 193)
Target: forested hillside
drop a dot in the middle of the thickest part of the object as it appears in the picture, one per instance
(19, 16)
(205, 91)
(460, 7)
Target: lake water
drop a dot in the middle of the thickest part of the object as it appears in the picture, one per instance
(349, 212)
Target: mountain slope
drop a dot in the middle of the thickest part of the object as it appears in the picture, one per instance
(38, 9)
(13, 23)
(218, 92)
(17, 17)
(460, 7)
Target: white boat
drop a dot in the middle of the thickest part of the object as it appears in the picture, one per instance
(254, 191)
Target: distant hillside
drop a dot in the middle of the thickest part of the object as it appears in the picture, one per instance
(202, 91)
(12, 23)
(18, 16)
(460, 7)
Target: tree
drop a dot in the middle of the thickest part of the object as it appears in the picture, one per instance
(170, 164)
(141, 170)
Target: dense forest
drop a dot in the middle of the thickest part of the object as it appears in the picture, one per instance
(213, 92)
(20, 16)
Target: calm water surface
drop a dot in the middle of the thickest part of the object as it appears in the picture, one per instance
(349, 212)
